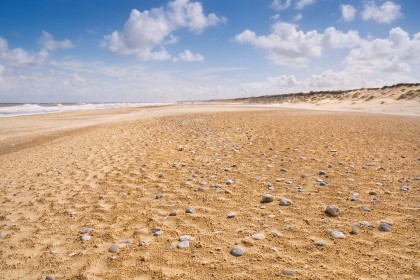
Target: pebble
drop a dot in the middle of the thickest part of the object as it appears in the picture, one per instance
(113, 248)
(183, 245)
(320, 244)
(161, 175)
(332, 210)
(384, 227)
(157, 232)
(49, 277)
(369, 164)
(355, 230)
(366, 208)
(355, 197)
(258, 236)
(329, 166)
(159, 195)
(323, 173)
(287, 272)
(231, 215)
(376, 200)
(86, 230)
(275, 233)
(3, 235)
(186, 238)
(367, 225)
(214, 186)
(229, 182)
(172, 213)
(373, 192)
(190, 210)
(285, 202)
(200, 189)
(237, 251)
(267, 198)
(127, 241)
(283, 169)
(337, 234)
(270, 186)
(386, 191)
(378, 184)
(404, 188)
(85, 238)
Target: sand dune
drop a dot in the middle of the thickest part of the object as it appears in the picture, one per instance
(122, 182)
(400, 99)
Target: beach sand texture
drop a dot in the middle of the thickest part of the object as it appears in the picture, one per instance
(108, 179)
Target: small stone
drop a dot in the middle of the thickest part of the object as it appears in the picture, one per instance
(200, 189)
(190, 210)
(231, 215)
(285, 202)
(386, 191)
(229, 182)
(283, 170)
(323, 173)
(159, 195)
(267, 198)
(86, 230)
(367, 225)
(172, 213)
(49, 277)
(369, 164)
(161, 175)
(384, 227)
(113, 248)
(186, 238)
(127, 241)
(85, 238)
(355, 230)
(157, 232)
(237, 251)
(404, 188)
(366, 208)
(337, 234)
(373, 192)
(320, 244)
(329, 166)
(183, 245)
(258, 236)
(332, 210)
(378, 184)
(287, 272)
(376, 200)
(355, 197)
(275, 233)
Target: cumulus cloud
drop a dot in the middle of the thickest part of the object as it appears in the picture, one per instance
(47, 42)
(188, 56)
(145, 33)
(19, 56)
(392, 54)
(387, 13)
(348, 12)
(301, 4)
(279, 5)
(287, 45)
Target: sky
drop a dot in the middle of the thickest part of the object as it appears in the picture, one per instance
(177, 50)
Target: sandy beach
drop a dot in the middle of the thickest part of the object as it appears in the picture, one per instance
(168, 192)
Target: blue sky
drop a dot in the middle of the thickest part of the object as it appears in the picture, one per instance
(164, 51)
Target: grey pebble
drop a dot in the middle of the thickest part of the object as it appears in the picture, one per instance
(86, 230)
(355, 230)
(283, 169)
(404, 188)
(332, 210)
(386, 191)
(190, 210)
(367, 225)
(369, 164)
(49, 277)
(366, 208)
(287, 272)
(329, 166)
(322, 173)
(85, 238)
(384, 227)
(157, 232)
(285, 202)
(183, 245)
(376, 200)
(337, 234)
(320, 244)
(237, 251)
(231, 215)
(200, 189)
(229, 182)
(186, 238)
(355, 197)
(113, 248)
(258, 236)
(172, 213)
(267, 198)
(127, 241)
(159, 195)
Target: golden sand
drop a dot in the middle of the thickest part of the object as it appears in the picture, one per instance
(106, 177)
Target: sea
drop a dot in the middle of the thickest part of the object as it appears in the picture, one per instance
(24, 109)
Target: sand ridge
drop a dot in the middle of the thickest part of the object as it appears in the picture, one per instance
(107, 178)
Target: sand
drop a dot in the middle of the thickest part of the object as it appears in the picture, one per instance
(62, 173)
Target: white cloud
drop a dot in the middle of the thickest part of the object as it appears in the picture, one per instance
(392, 54)
(387, 13)
(301, 4)
(188, 56)
(348, 12)
(19, 56)
(146, 33)
(332, 80)
(47, 42)
(279, 5)
(287, 45)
